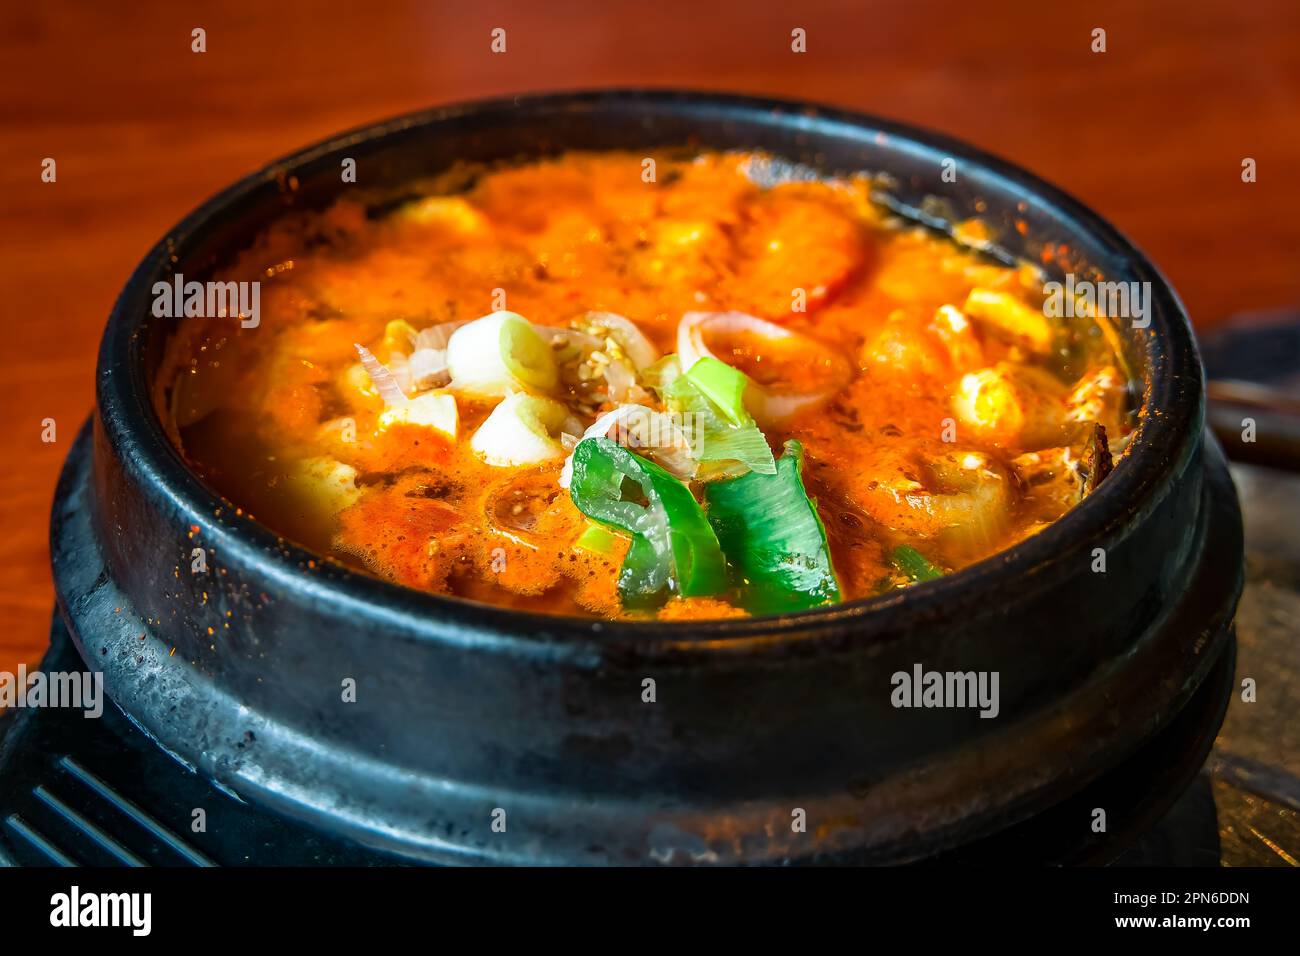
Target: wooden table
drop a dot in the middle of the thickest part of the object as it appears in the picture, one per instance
(1152, 133)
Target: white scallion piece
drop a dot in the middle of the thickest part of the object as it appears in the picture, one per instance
(522, 430)
(498, 354)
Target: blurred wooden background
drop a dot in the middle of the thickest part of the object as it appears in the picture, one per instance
(1151, 133)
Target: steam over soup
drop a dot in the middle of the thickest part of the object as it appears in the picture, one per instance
(563, 388)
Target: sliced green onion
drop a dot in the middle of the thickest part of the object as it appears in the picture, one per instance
(521, 430)
(597, 539)
(526, 353)
(725, 387)
(662, 373)
(714, 436)
(673, 547)
(914, 564)
(500, 353)
(771, 533)
(746, 445)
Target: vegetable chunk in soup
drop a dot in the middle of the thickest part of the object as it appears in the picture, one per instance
(561, 388)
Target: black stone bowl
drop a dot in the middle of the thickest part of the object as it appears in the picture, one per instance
(466, 714)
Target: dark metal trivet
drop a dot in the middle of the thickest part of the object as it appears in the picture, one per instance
(100, 792)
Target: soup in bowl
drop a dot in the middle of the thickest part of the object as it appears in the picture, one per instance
(669, 386)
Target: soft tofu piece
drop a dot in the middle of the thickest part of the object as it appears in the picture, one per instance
(451, 212)
(1009, 318)
(326, 483)
(435, 410)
